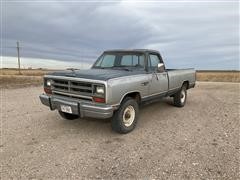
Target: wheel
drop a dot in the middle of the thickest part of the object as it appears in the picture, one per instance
(125, 118)
(68, 116)
(180, 97)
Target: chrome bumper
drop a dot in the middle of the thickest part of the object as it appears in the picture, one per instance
(81, 108)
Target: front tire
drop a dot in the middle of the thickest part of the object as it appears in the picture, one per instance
(180, 98)
(125, 118)
(68, 116)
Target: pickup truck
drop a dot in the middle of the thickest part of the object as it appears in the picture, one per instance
(115, 86)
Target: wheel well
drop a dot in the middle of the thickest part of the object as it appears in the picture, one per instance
(134, 95)
(186, 83)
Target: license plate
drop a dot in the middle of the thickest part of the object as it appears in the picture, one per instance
(66, 109)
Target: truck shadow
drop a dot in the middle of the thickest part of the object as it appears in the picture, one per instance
(165, 101)
(103, 126)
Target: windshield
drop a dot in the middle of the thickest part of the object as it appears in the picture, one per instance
(120, 61)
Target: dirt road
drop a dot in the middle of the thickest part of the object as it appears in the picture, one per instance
(198, 141)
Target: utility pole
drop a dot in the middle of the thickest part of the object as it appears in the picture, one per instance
(19, 68)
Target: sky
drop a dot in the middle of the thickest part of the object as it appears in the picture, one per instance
(198, 34)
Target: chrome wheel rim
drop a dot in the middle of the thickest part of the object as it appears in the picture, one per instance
(128, 116)
(183, 96)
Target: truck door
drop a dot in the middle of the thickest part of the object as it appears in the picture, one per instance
(158, 80)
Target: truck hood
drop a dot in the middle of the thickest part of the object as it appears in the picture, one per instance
(97, 74)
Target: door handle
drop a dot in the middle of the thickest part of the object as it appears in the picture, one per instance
(144, 83)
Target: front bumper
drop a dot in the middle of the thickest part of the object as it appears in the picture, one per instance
(81, 108)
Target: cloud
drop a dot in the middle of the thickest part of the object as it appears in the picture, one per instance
(203, 35)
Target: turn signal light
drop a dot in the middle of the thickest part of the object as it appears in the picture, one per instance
(99, 100)
(47, 90)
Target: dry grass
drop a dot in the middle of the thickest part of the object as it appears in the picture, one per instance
(20, 80)
(219, 76)
(28, 77)
(11, 78)
(24, 72)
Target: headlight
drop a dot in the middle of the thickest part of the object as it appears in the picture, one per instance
(48, 82)
(100, 90)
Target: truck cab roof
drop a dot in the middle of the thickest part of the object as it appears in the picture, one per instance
(131, 51)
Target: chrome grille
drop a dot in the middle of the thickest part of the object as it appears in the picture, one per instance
(72, 88)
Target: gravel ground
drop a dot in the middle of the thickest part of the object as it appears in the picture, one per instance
(199, 141)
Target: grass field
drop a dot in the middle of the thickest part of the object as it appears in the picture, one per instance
(11, 77)
(218, 76)
(24, 72)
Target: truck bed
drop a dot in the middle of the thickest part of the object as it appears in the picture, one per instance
(178, 76)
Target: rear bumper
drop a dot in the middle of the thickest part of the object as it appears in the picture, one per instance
(81, 108)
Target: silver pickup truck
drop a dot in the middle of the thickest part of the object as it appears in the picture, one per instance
(117, 83)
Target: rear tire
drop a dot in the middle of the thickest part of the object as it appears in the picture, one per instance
(180, 98)
(68, 116)
(125, 118)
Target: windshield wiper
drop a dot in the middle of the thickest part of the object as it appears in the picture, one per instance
(126, 69)
(98, 67)
(122, 68)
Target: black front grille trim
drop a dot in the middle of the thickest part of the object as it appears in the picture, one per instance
(73, 87)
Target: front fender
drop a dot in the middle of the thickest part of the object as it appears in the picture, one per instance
(118, 88)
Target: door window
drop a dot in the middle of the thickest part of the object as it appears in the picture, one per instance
(153, 61)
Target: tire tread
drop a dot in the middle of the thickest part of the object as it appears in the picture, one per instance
(177, 97)
(116, 122)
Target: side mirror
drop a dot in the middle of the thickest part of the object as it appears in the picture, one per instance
(160, 67)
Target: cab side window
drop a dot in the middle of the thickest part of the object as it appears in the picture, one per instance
(153, 62)
(132, 60)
